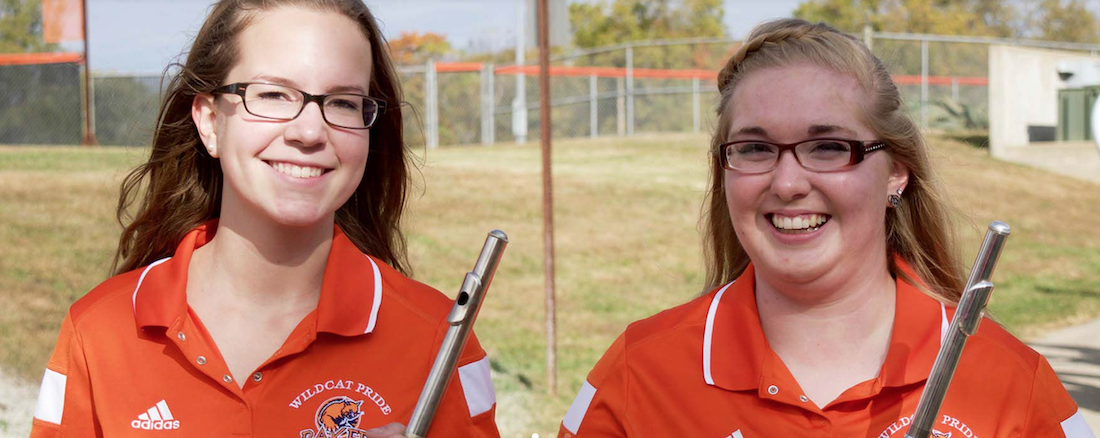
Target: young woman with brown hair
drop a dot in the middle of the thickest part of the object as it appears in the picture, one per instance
(261, 285)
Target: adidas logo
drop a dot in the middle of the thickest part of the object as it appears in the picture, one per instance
(157, 417)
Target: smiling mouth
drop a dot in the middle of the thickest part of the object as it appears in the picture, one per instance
(801, 224)
(296, 171)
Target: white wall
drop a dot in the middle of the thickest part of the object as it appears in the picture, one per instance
(1023, 90)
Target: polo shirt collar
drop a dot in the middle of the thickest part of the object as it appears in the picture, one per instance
(351, 289)
(736, 355)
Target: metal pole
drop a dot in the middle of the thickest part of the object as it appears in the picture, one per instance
(593, 103)
(620, 107)
(431, 90)
(519, 102)
(547, 198)
(868, 36)
(695, 105)
(88, 139)
(629, 91)
(488, 125)
(924, 84)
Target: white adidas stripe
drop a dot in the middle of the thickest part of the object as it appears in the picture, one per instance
(158, 412)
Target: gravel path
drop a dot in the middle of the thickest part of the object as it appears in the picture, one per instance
(16, 406)
(1074, 353)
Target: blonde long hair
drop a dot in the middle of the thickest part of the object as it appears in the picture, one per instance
(920, 231)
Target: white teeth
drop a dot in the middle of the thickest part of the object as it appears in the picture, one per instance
(297, 171)
(798, 223)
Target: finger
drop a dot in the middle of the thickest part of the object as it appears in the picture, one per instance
(392, 430)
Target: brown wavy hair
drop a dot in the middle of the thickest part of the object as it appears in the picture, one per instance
(179, 187)
(920, 231)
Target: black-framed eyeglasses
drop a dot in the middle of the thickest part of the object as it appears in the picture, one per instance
(280, 102)
(817, 154)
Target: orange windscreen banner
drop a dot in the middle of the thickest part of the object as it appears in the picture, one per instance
(62, 20)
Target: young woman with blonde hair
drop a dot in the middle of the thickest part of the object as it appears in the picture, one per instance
(832, 272)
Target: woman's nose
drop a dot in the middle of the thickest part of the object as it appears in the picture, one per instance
(789, 179)
(309, 129)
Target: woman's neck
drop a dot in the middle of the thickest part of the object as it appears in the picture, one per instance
(831, 333)
(265, 263)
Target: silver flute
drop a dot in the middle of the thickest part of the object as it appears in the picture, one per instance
(965, 323)
(461, 320)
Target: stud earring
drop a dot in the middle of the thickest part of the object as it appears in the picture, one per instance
(895, 200)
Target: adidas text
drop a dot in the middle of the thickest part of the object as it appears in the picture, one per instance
(155, 425)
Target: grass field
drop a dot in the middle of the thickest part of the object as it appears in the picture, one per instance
(627, 246)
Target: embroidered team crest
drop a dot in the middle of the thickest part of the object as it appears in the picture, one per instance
(951, 424)
(338, 417)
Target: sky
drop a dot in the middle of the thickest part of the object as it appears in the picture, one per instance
(141, 37)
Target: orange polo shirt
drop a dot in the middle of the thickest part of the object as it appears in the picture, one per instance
(704, 369)
(134, 360)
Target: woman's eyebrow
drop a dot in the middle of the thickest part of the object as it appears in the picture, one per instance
(828, 129)
(279, 80)
(751, 130)
(346, 89)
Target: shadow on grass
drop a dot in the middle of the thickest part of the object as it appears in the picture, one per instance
(1080, 291)
(1082, 370)
(520, 377)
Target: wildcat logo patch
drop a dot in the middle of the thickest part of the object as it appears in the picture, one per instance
(337, 417)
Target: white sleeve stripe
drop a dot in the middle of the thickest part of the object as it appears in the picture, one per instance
(576, 413)
(708, 334)
(51, 398)
(133, 299)
(377, 297)
(944, 323)
(1076, 427)
(477, 385)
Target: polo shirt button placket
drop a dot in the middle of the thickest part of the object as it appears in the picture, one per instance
(257, 377)
(803, 399)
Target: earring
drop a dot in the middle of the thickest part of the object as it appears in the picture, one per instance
(212, 150)
(895, 200)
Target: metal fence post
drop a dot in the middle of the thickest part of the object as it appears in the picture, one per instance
(431, 104)
(924, 84)
(593, 103)
(695, 105)
(488, 103)
(620, 107)
(630, 91)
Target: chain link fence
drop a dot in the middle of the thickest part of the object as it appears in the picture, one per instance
(615, 91)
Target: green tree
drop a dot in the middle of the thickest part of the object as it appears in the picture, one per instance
(1067, 21)
(1056, 20)
(21, 26)
(949, 17)
(623, 21)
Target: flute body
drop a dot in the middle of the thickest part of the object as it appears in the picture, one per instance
(968, 315)
(461, 321)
